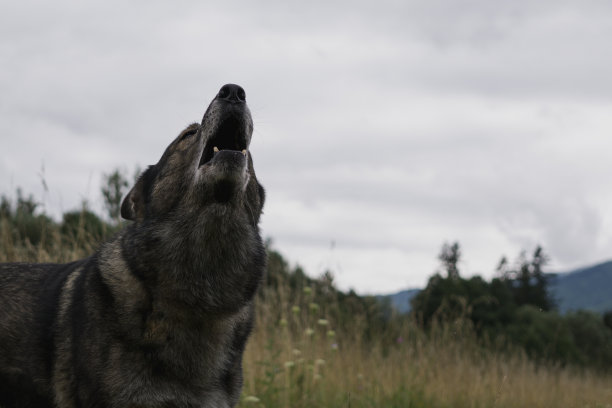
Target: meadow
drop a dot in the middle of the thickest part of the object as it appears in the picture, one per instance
(314, 346)
(302, 360)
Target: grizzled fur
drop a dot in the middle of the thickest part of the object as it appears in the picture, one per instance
(159, 315)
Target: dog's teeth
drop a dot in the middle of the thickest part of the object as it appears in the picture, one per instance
(244, 152)
(216, 149)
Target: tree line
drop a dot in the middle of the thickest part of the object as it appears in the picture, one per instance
(514, 310)
(28, 223)
(515, 307)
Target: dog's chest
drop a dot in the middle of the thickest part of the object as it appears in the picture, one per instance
(188, 338)
(182, 360)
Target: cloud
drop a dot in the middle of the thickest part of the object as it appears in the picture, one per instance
(389, 127)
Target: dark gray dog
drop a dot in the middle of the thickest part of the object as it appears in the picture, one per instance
(159, 315)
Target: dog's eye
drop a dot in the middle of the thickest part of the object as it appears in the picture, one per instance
(188, 134)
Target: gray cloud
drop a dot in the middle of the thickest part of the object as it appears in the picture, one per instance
(389, 127)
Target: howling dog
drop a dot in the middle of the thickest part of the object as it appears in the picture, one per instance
(160, 314)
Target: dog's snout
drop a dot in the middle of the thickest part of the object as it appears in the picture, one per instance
(232, 93)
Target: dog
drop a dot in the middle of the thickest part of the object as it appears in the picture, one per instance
(159, 316)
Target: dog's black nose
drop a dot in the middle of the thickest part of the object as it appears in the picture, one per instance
(232, 93)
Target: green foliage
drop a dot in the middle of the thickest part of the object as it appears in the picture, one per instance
(517, 309)
(530, 284)
(488, 305)
(114, 187)
(375, 319)
(5, 207)
(36, 229)
(269, 389)
(25, 205)
(78, 225)
(607, 319)
(543, 335)
(23, 222)
(449, 256)
(579, 338)
(593, 340)
(25, 226)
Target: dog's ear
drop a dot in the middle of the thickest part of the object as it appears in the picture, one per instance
(134, 204)
(262, 196)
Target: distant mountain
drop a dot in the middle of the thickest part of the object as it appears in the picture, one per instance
(401, 300)
(582, 289)
(586, 288)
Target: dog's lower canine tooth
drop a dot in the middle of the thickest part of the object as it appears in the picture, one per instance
(244, 151)
(216, 149)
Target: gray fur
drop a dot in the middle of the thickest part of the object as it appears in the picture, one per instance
(159, 315)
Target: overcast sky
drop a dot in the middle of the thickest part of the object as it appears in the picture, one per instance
(382, 129)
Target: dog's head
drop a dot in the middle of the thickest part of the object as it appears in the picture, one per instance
(207, 165)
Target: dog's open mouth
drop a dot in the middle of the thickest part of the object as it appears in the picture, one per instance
(230, 135)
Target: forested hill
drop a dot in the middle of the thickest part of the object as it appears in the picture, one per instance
(584, 289)
(401, 300)
(587, 288)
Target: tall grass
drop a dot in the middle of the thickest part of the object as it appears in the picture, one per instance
(300, 360)
(300, 355)
(53, 245)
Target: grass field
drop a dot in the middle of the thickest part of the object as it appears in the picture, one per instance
(303, 360)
